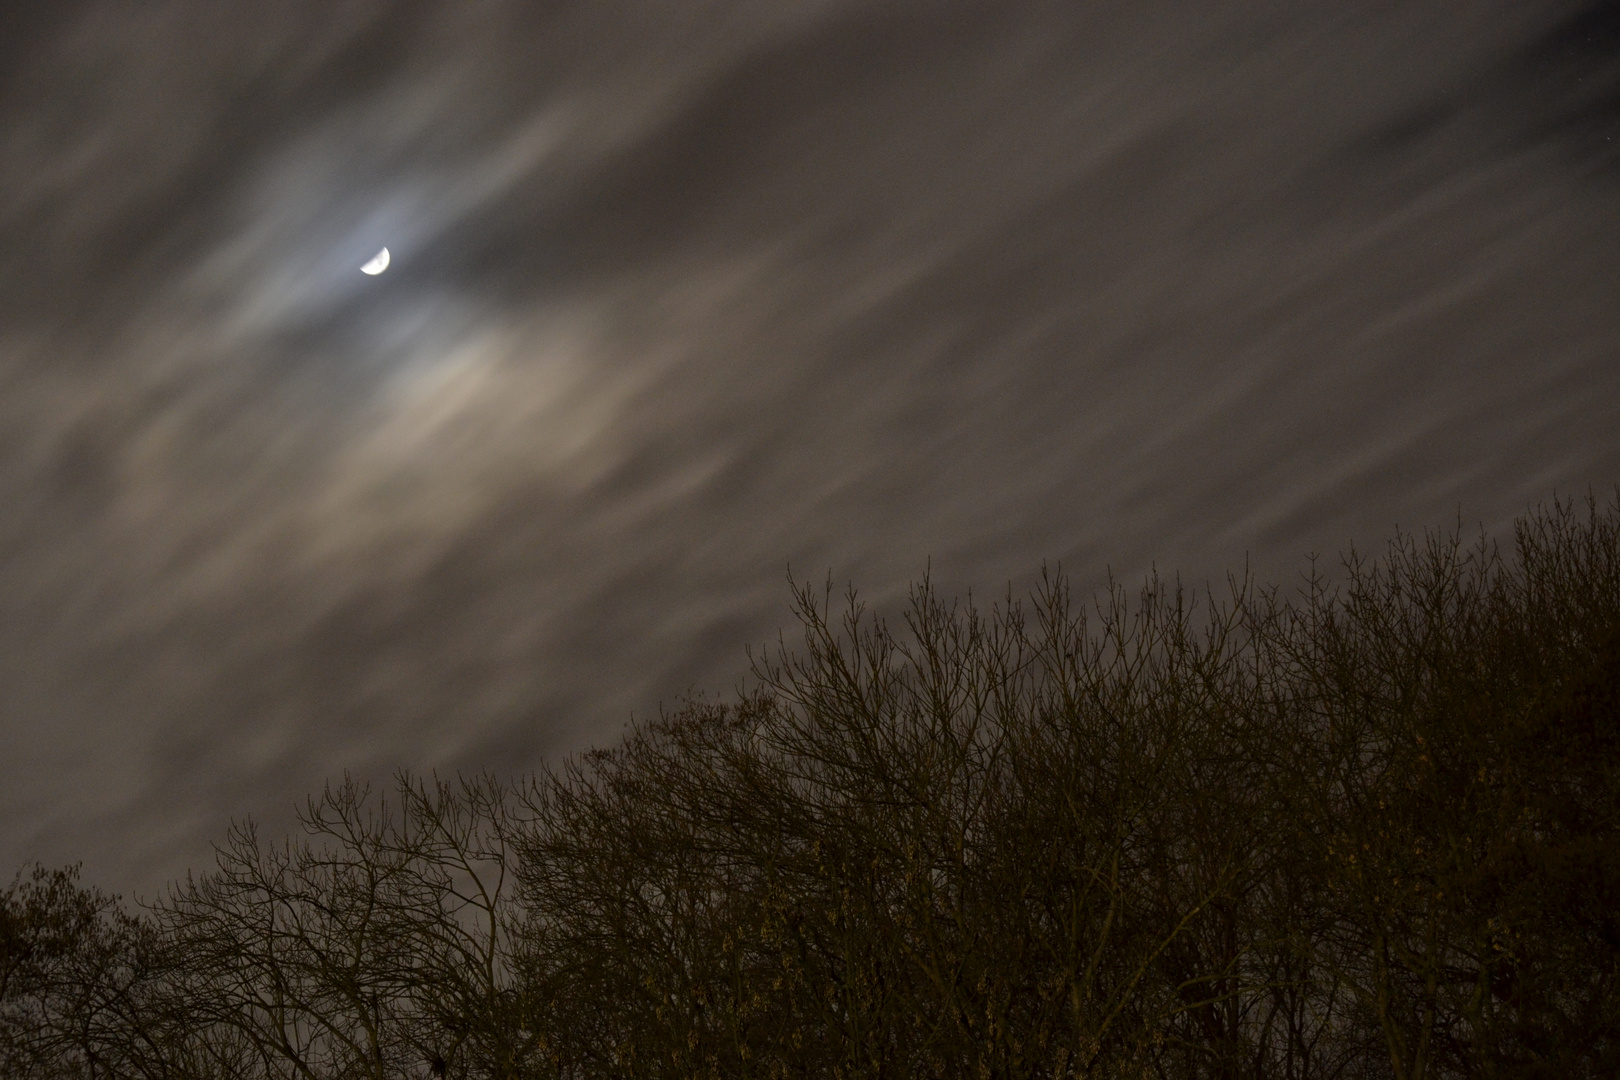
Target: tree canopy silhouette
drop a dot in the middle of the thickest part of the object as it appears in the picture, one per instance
(1368, 829)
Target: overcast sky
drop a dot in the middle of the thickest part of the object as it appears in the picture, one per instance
(687, 293)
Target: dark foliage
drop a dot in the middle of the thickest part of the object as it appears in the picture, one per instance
(1369, 830)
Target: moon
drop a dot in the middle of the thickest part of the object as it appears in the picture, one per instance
(378, 263)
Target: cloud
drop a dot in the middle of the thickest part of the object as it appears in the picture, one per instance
(684, 294)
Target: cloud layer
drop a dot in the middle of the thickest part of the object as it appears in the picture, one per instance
(686, 293)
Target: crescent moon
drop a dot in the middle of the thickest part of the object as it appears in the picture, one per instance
(378, 263)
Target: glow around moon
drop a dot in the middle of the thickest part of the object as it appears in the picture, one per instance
(379, 263)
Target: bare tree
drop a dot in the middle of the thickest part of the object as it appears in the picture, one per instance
(376, 947)
(1369, 831)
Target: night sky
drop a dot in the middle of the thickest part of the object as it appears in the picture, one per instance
(686, 294)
